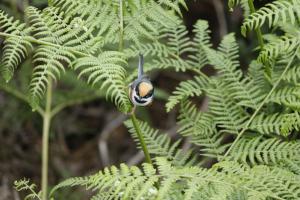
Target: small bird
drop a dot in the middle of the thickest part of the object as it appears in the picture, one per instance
(141, 91)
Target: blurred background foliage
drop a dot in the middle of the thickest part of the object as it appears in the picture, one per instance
(88, 132)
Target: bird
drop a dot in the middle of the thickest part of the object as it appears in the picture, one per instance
(141, 90)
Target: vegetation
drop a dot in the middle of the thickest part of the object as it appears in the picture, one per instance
(258, 108)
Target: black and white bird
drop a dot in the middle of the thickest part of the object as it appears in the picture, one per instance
(141, 91)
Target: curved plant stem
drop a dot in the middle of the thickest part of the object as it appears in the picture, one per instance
(19, 95)
(141, 138)
(121, 36)
(132, 115)
(45, 147)
(258, 31)
(261, 105)
(268, 69)
(72, 102)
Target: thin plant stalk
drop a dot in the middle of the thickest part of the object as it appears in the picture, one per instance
(132, 115)
(45, 144)
(261, 105)
(257, 30)
(141, 138)
(268, 70)
(121, 39)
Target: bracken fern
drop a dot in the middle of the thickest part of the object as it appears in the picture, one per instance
(249, 127)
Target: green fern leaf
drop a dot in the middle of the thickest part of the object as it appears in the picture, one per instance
(286, 96)
(187, 89)
(280, 124)
(25, 185)
(15, 48)
(201, 129)
(224, 178)
(159, 145)
(245, 91)
(276, 48)
(201, 40)
(174, 4)
(280, 10)
(228, 114)
(293, 75)
(243, 3)
(270, 151)
(107, 72)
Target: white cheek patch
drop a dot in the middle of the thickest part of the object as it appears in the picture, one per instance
(136, 100)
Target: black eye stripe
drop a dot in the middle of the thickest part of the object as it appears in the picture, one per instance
(137, 89)
(138, 100)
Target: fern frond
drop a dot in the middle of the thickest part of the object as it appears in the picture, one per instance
(280, 124)
(178, 40)
(59, 42)
(51, 26)
(98, 16)
(291, 122)
(75, 35)
(149, 49)
(269, 181)
(107, 72)
(281, 46)
(178, 44)
(234, 3)
(169, 49)
(258, 78)
(178, 64)
(227, 113)
(225, 178)
(285, 11)
(194, 122)
(293, 75)
(201, 129)
(230, 48)
(141, 19)
(245, 91)
(243, 3)
(201, 40)
(270, 151)
(142, 22)
(125, 182)
(159, 145)
(49, 66)
(174, 4)
(15, 48)
(285, 96)
(24, 185)
(189, 88)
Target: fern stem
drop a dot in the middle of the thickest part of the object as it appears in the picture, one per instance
(261, 105)
(141, 138)
(257, 30)
(268, 69)
(133, 117)
(45, 147)
(121, 36)
(20, 96)
(72, 102)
